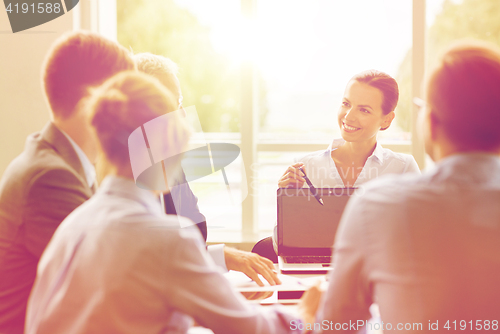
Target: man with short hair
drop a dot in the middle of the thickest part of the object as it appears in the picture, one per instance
(426, 248)
(181, 196)
(55, 173)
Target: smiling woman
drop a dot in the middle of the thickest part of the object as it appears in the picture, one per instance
(367, 107)
(361, 114)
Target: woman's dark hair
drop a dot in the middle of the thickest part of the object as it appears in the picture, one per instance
(383, 82)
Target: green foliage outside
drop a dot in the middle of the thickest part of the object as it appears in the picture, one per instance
(208, 80)
(477, 19)
(212, 84)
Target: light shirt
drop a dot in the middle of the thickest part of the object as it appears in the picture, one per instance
(215, 251)
(117, 264)
(321, 169)
(88, 168)
(425, 248)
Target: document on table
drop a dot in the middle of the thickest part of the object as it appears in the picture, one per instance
(243, 283)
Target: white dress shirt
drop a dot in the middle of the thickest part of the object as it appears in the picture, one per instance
(321, 169)
(88, 168)
(117, 264)
(425, 248)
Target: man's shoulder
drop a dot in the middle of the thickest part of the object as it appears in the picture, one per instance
(39, 162)
(37, 186)
(37, 159)
(382, 203)
(395, 186)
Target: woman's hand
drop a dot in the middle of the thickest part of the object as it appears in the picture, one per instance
(309, 304)
(292, 177)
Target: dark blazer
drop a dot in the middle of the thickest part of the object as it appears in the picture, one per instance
(185, 202)
(37, 191)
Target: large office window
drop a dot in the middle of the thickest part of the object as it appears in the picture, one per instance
(268, 75)
(202, 38)
(290, 60)
(452, 20)
(308, 51)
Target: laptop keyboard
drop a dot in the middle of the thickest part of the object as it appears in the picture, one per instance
(307, 259)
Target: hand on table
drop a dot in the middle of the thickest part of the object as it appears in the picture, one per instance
(252, 265)
(292, 178)
(309, 303)
(257, 295)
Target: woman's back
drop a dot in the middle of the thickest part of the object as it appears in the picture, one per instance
(110, 259)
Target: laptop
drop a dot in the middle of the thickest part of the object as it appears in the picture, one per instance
(306, 229)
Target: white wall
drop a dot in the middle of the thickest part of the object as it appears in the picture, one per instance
(23, 109)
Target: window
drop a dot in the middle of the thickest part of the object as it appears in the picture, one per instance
(451, 20)
(307, 52)
(268, 75)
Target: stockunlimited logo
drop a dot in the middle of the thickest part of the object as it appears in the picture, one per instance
(26, 14)
(156, 154)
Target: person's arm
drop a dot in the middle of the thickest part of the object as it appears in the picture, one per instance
(197, 288)
(186, 205)
(411, 166)
(309, 303)
(52, 196)
(348, 297)
(292, 178)
(216, 252)
(252, 265)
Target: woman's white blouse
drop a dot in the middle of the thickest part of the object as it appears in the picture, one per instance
(118, 264)
(321, 169)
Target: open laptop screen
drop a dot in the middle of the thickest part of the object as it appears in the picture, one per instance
(306, 227)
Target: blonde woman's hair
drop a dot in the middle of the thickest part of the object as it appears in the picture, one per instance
(160, 67)
(124, 103)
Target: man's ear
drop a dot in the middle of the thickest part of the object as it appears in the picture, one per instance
(434, 125)
(387, 120)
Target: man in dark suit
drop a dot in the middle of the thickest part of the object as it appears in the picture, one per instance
(54, 174)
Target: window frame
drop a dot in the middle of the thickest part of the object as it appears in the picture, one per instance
(251, 145)
(92, 14)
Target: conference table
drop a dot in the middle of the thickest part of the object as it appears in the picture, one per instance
(287, 294)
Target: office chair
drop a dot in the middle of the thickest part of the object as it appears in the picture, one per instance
(265, 249)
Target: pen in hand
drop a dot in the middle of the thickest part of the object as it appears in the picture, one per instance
(313, 190)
